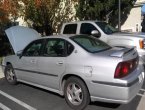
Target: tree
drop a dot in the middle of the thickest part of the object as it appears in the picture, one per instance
(65, 13)
(48, 15)
(103, 10)
(9, 12)
(41, 14)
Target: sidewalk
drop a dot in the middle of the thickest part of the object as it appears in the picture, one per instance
(1, 73)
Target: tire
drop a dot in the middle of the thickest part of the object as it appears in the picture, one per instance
(76, 93)
(10, 75)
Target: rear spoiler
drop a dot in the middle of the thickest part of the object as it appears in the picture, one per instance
(123, 51)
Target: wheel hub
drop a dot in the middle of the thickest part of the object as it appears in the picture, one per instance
(10, 75)
(74, 94)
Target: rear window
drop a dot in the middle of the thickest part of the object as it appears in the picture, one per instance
(91, 44)
(70, 29)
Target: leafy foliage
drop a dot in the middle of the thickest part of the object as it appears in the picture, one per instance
(64, 13)
(41, 13)
(47, 14)
(103, 9)
(8, 10)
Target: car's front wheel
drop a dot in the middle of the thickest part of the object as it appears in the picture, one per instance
(76, 93)
(10, 74)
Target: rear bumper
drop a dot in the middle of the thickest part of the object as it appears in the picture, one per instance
(116, 93)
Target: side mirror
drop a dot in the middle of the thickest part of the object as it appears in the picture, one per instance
(19, 53)
(95, 33)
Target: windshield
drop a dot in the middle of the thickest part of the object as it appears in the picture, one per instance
(91, 44)
(106, 28)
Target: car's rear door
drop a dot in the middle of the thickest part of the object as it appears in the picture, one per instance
(52, 63)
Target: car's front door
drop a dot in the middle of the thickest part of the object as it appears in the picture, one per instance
(52, 64)
(28, 63)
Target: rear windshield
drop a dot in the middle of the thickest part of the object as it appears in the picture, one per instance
(91, 44)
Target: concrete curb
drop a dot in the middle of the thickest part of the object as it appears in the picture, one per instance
(1, 73)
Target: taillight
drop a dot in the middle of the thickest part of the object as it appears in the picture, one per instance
(141, 44)
(125, 68)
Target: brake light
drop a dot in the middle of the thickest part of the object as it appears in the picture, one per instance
(141, 44)
(125, 68)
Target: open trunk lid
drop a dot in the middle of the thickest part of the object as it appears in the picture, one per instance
(20, 37)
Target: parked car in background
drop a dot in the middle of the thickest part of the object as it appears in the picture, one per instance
(80, 67)
(108, 34)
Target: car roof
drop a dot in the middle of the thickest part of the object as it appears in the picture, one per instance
(85, 21)
(66, 36)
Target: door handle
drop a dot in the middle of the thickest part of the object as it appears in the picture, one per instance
(33, 61)
(59, 63)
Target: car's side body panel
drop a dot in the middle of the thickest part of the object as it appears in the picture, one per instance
(50, 69)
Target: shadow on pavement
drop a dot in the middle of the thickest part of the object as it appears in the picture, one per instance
(96, 103)
(106, 105)
(40, 89)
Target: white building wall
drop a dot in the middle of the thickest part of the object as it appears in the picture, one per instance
(133, 22)
(21, 22)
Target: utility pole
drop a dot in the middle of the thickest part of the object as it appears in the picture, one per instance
(119, 15)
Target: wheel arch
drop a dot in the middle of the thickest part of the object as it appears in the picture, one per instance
(8, 63)
(65, 77)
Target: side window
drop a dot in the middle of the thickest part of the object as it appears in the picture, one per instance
(87, 28)
(33, 49)
(70, 48)
(54, 48)
(70, 29)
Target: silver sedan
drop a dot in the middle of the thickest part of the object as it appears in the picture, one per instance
(80, 67)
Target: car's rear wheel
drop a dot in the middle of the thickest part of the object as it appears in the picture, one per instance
(76, 93)
(10, 74)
